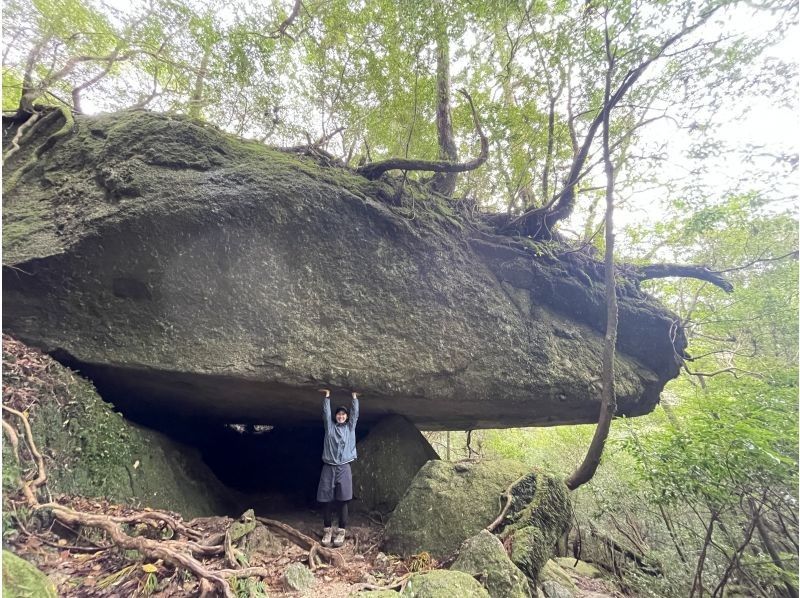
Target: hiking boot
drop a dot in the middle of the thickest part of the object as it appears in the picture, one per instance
(326, 536)
(339, 539)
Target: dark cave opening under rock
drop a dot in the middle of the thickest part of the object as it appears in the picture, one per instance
(273, 468)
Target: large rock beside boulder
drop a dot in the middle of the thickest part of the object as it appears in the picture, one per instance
(448, 503)
(483, 555)
(90, 450)
(185, 270)
(388, 459)
(441, 583)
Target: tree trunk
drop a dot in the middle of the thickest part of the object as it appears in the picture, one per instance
(444, 182)
(608, 404)
(697, 582)
(791, 591)
(733, 562)
(29, 93)
(196, 101)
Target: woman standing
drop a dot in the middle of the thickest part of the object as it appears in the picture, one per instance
(336, 479)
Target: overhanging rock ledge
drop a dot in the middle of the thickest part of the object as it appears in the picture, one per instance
(185, 270)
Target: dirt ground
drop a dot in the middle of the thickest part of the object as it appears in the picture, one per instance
(81, 567)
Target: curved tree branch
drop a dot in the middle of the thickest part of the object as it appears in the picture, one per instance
(374, 170)
(669, 270)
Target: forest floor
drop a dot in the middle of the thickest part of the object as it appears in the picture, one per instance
(80, 571)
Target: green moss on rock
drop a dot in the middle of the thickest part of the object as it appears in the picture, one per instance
(483, 554)
(93, 451)
(443, 584)
(537, 523)
(23, 580)
(448, 503)
(298, 577)
(579, 567)
(552, 571)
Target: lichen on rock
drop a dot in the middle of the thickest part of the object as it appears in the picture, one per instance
(21, 579)
(298, 577)
(540, 515)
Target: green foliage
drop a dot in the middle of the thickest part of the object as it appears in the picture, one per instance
(361, 76)
(738, 442)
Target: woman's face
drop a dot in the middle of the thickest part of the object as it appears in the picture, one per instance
(341, 417)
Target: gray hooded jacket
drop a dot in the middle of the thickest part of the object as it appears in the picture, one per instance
(339, 446)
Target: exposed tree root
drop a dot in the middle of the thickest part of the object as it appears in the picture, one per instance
(509, 499)
(375, 169)
(69, 122)
(23, 127)
(684, 271)
(305, 542)
(398, 584)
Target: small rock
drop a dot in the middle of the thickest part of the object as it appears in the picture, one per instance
(298, 577)
(382, 563)
(441, 583)
(579, 567)
(552, 571)
(551, 589)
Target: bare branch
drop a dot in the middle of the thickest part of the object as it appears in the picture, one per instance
(374, 170)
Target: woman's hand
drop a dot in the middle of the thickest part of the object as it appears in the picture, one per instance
(355, 395)
(326, 391)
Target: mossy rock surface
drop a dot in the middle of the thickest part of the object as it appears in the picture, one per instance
(91, 450)
(552, 571)
(388, 459)
(21, 579)
(448, 503)
(298, 577)
(539, 516)
(553, 589)
(483, 554)
(375, 594)
(578, 567)
(443, 584)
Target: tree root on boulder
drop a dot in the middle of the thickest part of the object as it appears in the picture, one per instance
(181, 550)
(509, 499)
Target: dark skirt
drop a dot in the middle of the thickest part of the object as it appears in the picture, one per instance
(335, 483)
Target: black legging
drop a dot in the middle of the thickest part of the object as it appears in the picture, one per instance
(328, 513)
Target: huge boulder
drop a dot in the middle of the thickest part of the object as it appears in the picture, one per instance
(188, 271)
(388, 459)
(448, 503)
(91, 450)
